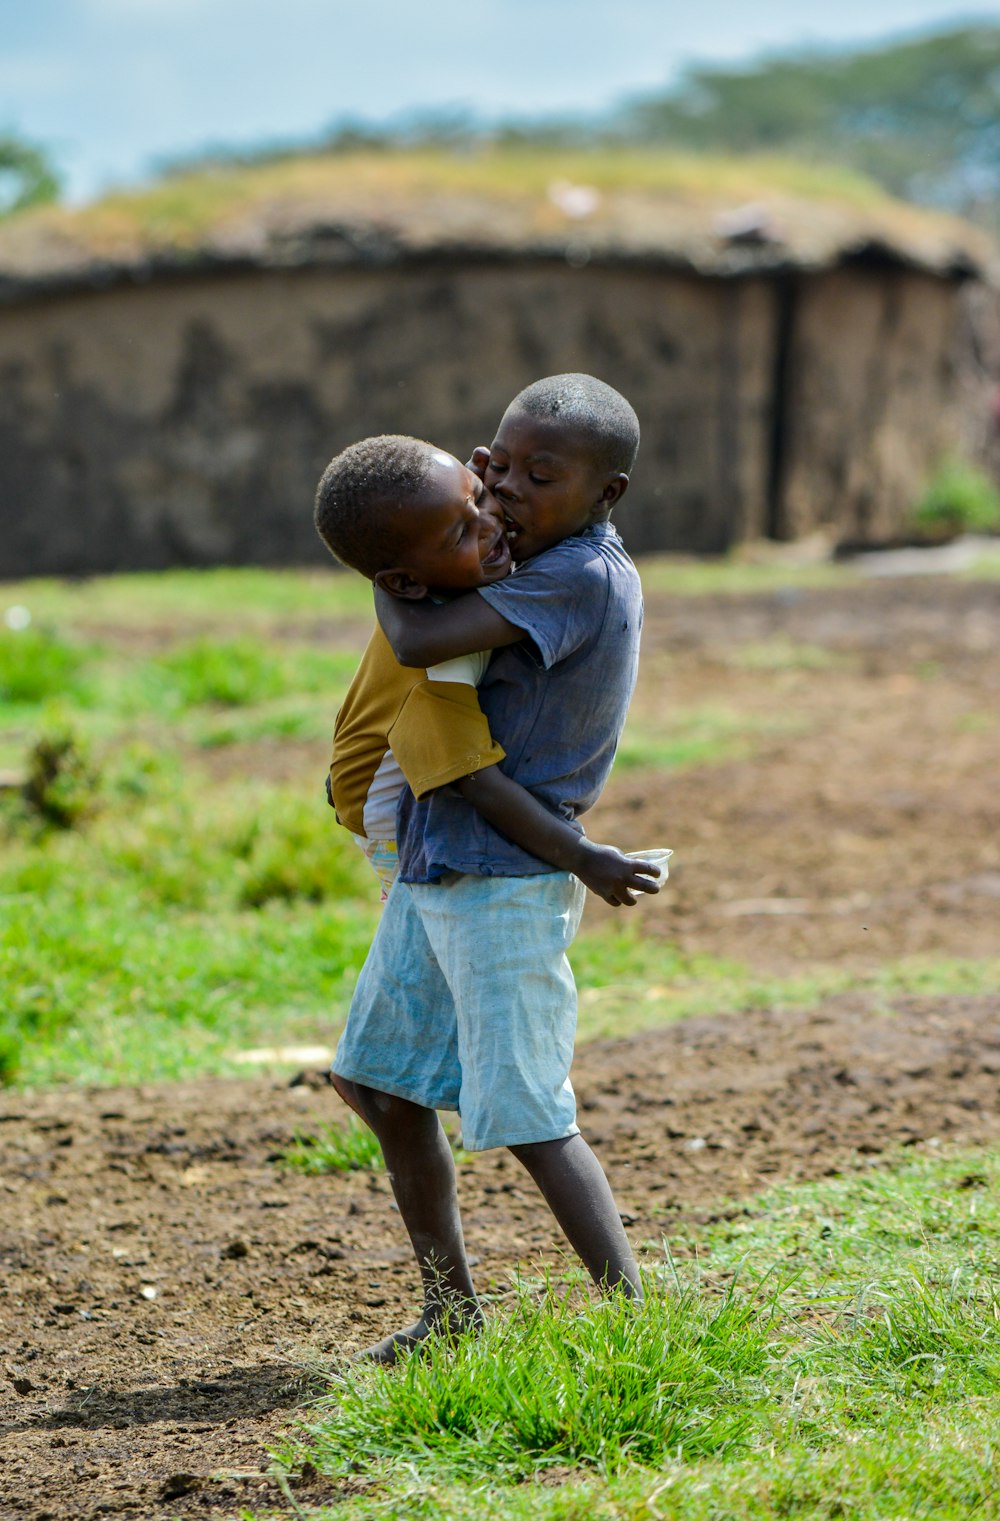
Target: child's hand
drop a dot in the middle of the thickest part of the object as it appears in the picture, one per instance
(613, 876)
(477, 464)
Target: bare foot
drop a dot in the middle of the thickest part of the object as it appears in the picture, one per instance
(394, 1346)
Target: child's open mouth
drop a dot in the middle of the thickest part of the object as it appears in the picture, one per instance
(498, 554)
(511, 529)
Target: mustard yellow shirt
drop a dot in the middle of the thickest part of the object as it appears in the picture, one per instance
(435, 729)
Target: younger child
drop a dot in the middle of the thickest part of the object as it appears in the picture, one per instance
(466, 1000)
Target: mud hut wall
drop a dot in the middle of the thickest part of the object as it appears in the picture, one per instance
(871, 400)
(977, 363)
(187, 422)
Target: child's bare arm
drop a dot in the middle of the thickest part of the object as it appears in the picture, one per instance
(424, 633)
(514, 812)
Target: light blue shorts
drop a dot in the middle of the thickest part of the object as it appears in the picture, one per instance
(467, 1002)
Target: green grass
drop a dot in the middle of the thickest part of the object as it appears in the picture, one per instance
(240, 916)
(351, 1147)
(945, 1471)
(630, 981)
(701, 736)
(184, 920)
(779, 1375)
(825, 1350)
(334, 1148)
(233, 915)
(178, 603)
(930, 1214)
(158, 917)
(35, 664)
(599, 1386)
(282, 718)
(956, 499)
(169, 601)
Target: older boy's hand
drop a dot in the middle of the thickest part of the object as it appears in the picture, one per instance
(615, 877)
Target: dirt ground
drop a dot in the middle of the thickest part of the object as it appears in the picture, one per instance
(168, 1290)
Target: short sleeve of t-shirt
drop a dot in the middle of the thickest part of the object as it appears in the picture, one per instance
(440, 735)
(558, 598)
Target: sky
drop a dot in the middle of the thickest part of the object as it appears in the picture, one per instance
(110, 87)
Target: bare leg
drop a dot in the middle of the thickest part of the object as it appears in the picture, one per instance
(422, 1173)
(574, 1186)
(348, 1092)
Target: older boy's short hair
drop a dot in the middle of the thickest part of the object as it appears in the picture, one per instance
(360, 497)
(597, 409)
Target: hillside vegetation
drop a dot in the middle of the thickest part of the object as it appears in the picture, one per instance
(922, 117)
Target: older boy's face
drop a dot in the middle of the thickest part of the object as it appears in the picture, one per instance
(458, 540)
(546, 480)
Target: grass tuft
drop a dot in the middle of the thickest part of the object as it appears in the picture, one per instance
(597, 1388)
(62, 784)
(36, 664)
(239, 673)
(907, 1338)
(335, 1148)
(869, 1394)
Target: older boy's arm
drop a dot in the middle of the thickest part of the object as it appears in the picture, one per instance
(514, 812)
(424, 633)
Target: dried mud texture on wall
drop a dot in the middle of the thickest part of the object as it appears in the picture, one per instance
(873, 400)
(187, 421)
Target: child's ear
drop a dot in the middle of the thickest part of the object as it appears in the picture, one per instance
(399, 583)
(615, 488)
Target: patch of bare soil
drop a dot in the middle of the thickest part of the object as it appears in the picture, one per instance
(168, 1290)
(863, 825)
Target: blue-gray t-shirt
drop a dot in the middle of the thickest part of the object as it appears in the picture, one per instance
(556, 701)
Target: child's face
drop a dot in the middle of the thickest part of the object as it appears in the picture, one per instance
(457, 540)
(545, 478)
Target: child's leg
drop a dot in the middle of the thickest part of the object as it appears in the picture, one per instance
(346, 1090)
(422, 1173)
(501, 943)
(401, 1032)
(574, 1186)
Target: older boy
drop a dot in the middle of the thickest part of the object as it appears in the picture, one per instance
(466, 999)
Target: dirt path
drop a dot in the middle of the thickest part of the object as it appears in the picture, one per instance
(167, 1287)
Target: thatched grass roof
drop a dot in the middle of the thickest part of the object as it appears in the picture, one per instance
(720, 217)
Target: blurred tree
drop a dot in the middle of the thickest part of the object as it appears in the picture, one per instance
(27, 175)
(922, 117)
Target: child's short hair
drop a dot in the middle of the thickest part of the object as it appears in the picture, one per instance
(595, 408)
(360, 496)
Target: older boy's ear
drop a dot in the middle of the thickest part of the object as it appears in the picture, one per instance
(615, 488)
(399, 583)
(478, 461)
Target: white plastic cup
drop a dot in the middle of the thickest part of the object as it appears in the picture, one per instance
(657, 858)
